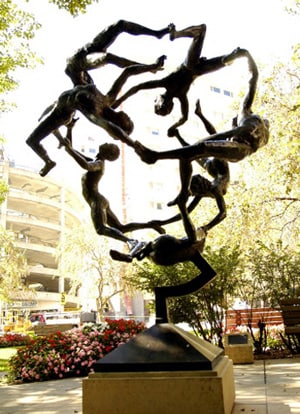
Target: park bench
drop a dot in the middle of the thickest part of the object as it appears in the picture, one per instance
(243, 317)
(290, 309)
(51, 329)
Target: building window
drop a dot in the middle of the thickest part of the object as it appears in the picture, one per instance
(227, 93)
(215, 89)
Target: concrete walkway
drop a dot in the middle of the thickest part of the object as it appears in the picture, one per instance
(265, 387)
(268, 387)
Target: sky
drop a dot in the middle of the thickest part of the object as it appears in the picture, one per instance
(261, 26)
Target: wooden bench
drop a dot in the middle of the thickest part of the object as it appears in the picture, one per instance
(290, 309)
(244, 317)
(51, 329)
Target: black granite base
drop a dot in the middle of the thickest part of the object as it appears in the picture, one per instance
(163, 347)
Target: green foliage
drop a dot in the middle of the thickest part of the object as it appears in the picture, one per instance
(203, 310)
(3, 191)
(293, 7)
(17, 28)
(275, 273)
(5, 355)
(74, 7)
(13, 266)
(83, 257)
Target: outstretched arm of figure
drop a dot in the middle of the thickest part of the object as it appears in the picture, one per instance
(222, 136)
(47, 110)
(112, 129)
(220, 216)
(84, 161)
(133, 70)
(178, 217)
(194, 151)
(249, 98)
(109, 58)
(145, 85)
(208, 125)
(69, 136)
(184, 105)
(238, 53)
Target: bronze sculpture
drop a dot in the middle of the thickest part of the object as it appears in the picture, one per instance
(248, 133)
(104, 220)
(178, 83)
(79, 65)
(95, 106)
(200, 187)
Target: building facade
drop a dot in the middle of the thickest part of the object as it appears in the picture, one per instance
(38, 211)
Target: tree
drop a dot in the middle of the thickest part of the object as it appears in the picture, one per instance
(83, 257)
(74, 7)
(13, 266)
(275, 273)
(12, 261)
(3, 191)
(17, 28)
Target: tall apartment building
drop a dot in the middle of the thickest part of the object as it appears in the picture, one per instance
(38, 210)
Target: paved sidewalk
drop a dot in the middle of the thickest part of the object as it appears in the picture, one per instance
(47, 397)
(265, 387)
(268, 387)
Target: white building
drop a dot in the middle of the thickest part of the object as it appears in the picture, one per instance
(38, 210)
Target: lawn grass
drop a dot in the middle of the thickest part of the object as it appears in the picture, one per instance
(5, 354)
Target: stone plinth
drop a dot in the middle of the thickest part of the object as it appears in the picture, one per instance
(191, 392)
(240, 354)
(183, 374)
(239, 348)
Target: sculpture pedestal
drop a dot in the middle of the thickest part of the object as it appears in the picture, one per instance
(240, 354)
(181, 374)
(239, 348)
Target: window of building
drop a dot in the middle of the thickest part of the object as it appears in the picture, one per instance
(215, 89)
(227, 93)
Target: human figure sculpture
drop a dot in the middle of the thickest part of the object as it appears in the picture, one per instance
(200, 187)
(79, 65)
(250, 132)
(213, 153)
(95, 106)
(165, 250)
(104, 220)
(178, 83)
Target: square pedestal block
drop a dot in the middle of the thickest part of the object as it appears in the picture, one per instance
(240, 354)
(177, 392)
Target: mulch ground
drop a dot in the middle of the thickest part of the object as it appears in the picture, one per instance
(278, 354)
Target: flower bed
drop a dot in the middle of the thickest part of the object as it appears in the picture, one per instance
(14, 339)
(71, 353)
